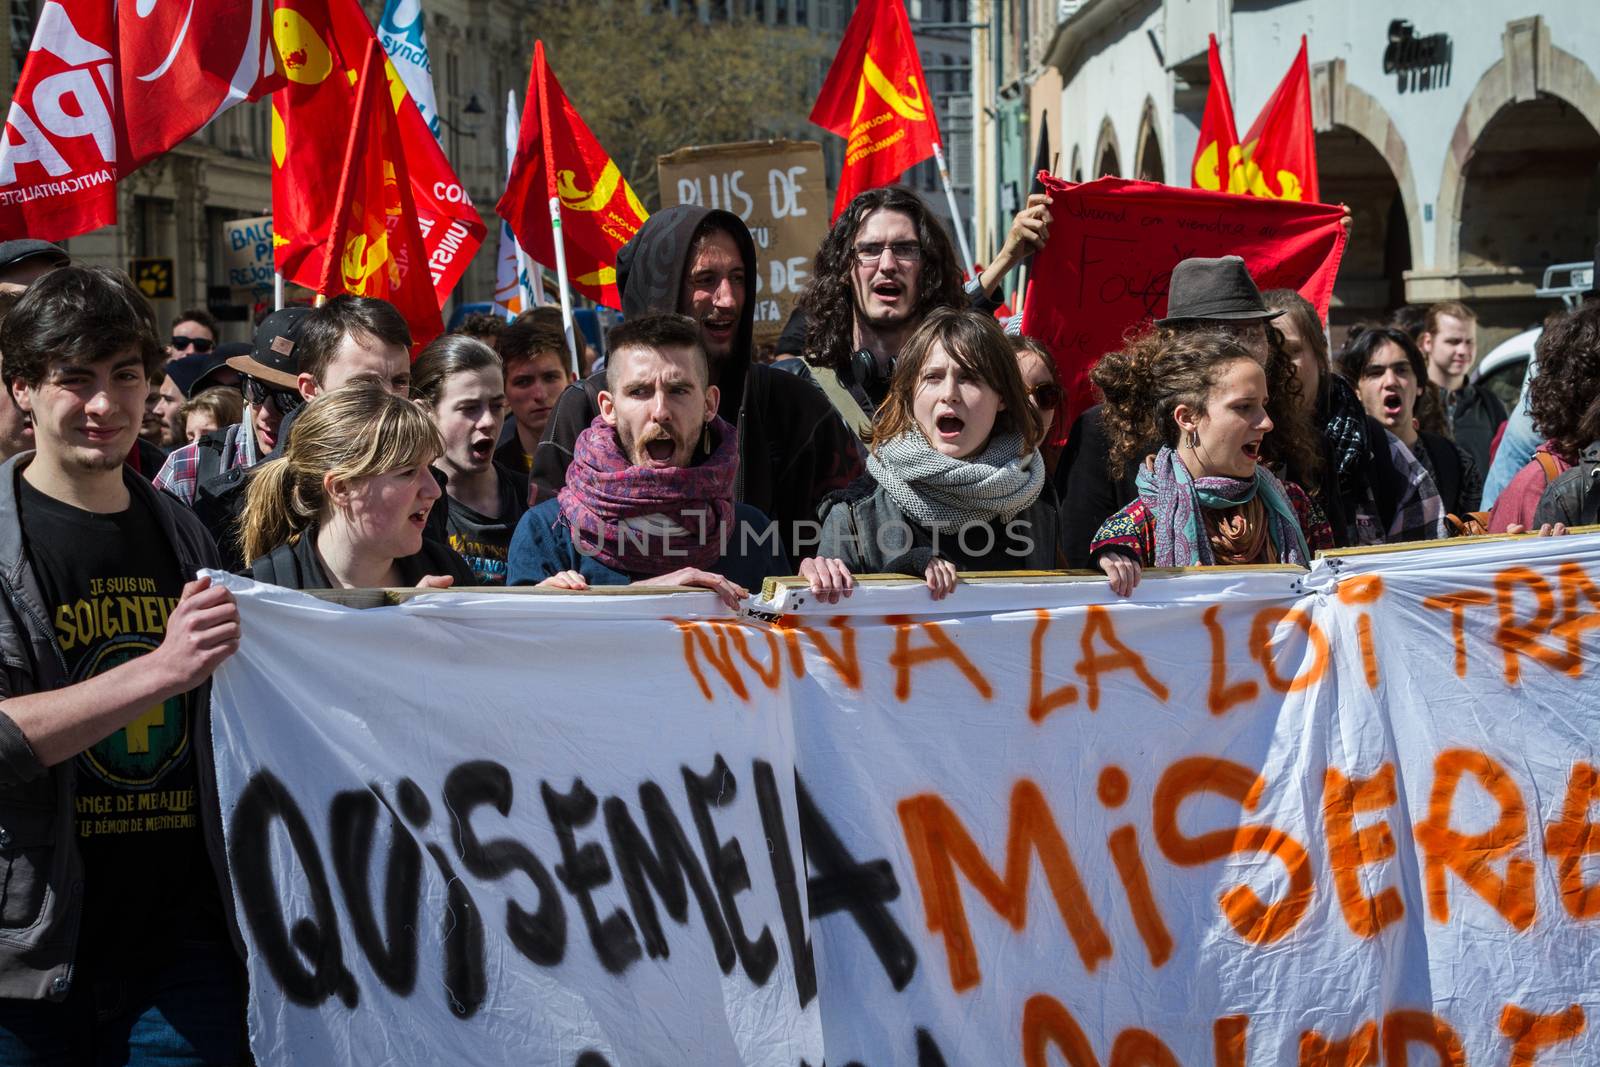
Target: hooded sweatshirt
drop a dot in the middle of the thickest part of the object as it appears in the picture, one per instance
(793, 447)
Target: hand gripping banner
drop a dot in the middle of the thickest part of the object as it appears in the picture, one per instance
(1247, 817)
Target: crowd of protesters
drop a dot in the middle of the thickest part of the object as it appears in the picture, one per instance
(911, 436)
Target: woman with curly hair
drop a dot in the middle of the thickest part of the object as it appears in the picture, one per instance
(954, 476)
(1205, 497)
(1091, 489)
(1564, 401)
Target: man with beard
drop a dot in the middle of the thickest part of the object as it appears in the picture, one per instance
(884, 265)
(649, 495)
(114, 926)
(792, 448)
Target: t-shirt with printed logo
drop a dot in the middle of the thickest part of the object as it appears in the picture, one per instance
(110, 582)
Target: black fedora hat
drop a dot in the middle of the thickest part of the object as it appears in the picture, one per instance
(1218, 290)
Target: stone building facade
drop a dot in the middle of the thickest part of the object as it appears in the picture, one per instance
(1464, 137)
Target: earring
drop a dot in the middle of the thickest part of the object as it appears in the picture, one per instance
(705, 439)
(1194, 438)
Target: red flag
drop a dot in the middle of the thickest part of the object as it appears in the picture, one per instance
(323, 44)
(1280, 151)
(105, 89)
(375, 248)
(1114, 244)
(1218, 147)
(559, 159)
(875, 98)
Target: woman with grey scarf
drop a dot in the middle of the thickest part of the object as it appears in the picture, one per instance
(954, 481)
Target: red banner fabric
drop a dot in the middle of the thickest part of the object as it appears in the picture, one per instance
(323, 44)
(1113, 246)
(1280, 151)
(375, 248)
(1218, 148)
(875, 97)
(559, 158)
(104, 90)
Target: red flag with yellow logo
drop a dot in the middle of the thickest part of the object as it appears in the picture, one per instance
(558, 159)
(1279, 154)
(1218, 148)
(875, 98)
(323, 44)
(375, 248)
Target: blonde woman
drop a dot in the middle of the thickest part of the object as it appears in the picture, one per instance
(346, 505)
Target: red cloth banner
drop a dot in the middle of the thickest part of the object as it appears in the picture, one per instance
(1217, 151)
(876, 98)
(1280, 151)
(323, 44)
(106, 89)
(1113, 246)
(375, 248)
(558, 157)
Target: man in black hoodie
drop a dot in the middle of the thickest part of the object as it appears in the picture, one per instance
(793, 447)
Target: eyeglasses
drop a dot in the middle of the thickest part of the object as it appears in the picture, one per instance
(259, 393)
(869, 253)
(201, 345)
(1047, 395)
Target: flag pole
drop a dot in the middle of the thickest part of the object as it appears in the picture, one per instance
(967, 264)
(277, 290)
(561, 281)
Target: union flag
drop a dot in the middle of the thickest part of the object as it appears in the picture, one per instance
(1218, 149)
(1279, 155)
(103, 91)
(323, 44)
(375, 248)
(562, 177)
(876, 98)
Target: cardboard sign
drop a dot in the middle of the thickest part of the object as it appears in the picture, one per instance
(780, 190)
(247, 255)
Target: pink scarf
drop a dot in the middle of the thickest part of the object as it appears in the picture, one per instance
(648, 521)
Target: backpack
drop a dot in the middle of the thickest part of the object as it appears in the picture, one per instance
(219, 494)
(1574, 497)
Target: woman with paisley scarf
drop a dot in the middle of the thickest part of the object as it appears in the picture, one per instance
(954, 481)
(649, 496)
(1204, 497)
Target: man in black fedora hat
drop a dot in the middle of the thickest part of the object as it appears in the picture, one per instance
(208, 474)
(1202, 294)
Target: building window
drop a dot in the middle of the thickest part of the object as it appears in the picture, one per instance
(800, 14)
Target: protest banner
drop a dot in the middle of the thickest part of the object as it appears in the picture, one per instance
(779, 189)
(1113, 245)
(247, 255)
(1249, 816)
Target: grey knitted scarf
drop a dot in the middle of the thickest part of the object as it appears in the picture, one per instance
(938, 491)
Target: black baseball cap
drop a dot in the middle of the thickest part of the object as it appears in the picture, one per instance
(272, 357)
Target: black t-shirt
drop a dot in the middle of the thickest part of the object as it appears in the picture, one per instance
(110, 582)
(483, 540)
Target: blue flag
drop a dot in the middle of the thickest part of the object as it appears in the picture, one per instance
(405, 38)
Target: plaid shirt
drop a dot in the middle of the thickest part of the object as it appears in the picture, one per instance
(181, 472)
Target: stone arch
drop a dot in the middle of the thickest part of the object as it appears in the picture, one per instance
(1531, 67)
(1364, 163)
(1148, 159)
(1107, 151)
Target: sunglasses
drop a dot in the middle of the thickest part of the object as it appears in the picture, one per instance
(259, 393)
(201, 345)
(1047, 396)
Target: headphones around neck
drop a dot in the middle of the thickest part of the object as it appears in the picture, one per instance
(865, 372)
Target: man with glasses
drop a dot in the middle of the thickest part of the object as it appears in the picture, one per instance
(194, 333)
(886, 263)
(271, 385)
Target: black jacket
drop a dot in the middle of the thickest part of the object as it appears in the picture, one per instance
(793, 448)
(40, 867)
(295, 566)
(1475, 417)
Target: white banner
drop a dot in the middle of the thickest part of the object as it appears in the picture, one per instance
(1245, 818)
